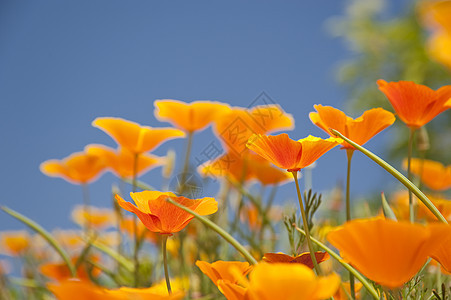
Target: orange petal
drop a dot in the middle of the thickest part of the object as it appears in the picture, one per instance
(229, 271)
(232, 291)
(313, 148)
(432, 173)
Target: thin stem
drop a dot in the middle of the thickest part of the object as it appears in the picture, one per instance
(409, 174)
(165, 263)
(349, 153)
(135, 222)
(304, 222)
(186, 163)
(86, 210)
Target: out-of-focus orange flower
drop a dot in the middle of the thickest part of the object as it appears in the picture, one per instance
(14, 243)
(401, 207)
(289, 154)
(387, 252)
(121, 161)
(60, 272)
(134, 137)
(77, 168)
(127, 225)
(71, 240)
(432, 173)
(190, 117)
(416, 104)
(303, 258)
(160, 216)
(96, 217)
(76, 289)
(360, 130)
(230, 271)
(282, 281)
(344, 291)
(439, 45)
(236, 127)
(442, 254)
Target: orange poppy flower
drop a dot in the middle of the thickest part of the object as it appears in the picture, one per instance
(97, 218)
(14, 243)
(71, 240)
(160, 216)
(190, 117)
(134, 137)
(432, 173)
(122, 161)
(303, 258)
(59, 271)
(230, 271)
(387, 252)
(360, 130)
(235, 128)
(442, 254)
(81, 289)
(77, 168)
(282, 281)
(400, 205)
(416, 104)
(289, 154)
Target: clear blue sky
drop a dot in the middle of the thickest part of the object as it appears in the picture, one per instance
(64, 63)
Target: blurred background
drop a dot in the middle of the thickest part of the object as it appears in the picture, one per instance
(62, 64)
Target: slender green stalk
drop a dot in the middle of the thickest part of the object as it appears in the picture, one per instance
(347, 266)
(45, 234)
(139, 184)
(388, 212)
(86, 205)
(165, 262)
(124, 262)
(401, 178)
(304, 222)
(225, 235)
(349, 153)
(186, 163)
(409, 174)
(135, 223)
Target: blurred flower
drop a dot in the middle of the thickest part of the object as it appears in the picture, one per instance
(432, 173)
(97, 218)
(160, 216)
(228, 271)
(234, 128)
(60, 272)
(134, 137)
(400, 205)
(14, 243)
(303, 258)
(251, 214)
(439, 45)
(282, 281)
(416, 104)
(289, 154)
(345, 290)
(190, 117)
(121, 161)
(387, 252)
(359, 130)
(127, 225)
(70, 239)
(76, 289)
(77, 168)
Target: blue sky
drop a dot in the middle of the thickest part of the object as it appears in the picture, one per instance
(64, 63)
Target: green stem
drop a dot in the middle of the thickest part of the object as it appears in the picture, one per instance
(123, 261)
(165, 263)
(225, 235)
(186, 163)
(135, 223)
(304, 222)
(347, 266)
(401, 178)
(409, 174)
(349, 153)
(86, 205)
(45, 234)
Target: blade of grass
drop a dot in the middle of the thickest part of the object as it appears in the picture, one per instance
(127, 264)
(347, 266)
(45, 234)
(401, 178)
(388, 212)
(225, 235)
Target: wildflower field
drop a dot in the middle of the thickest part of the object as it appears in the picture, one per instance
(172, 241)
